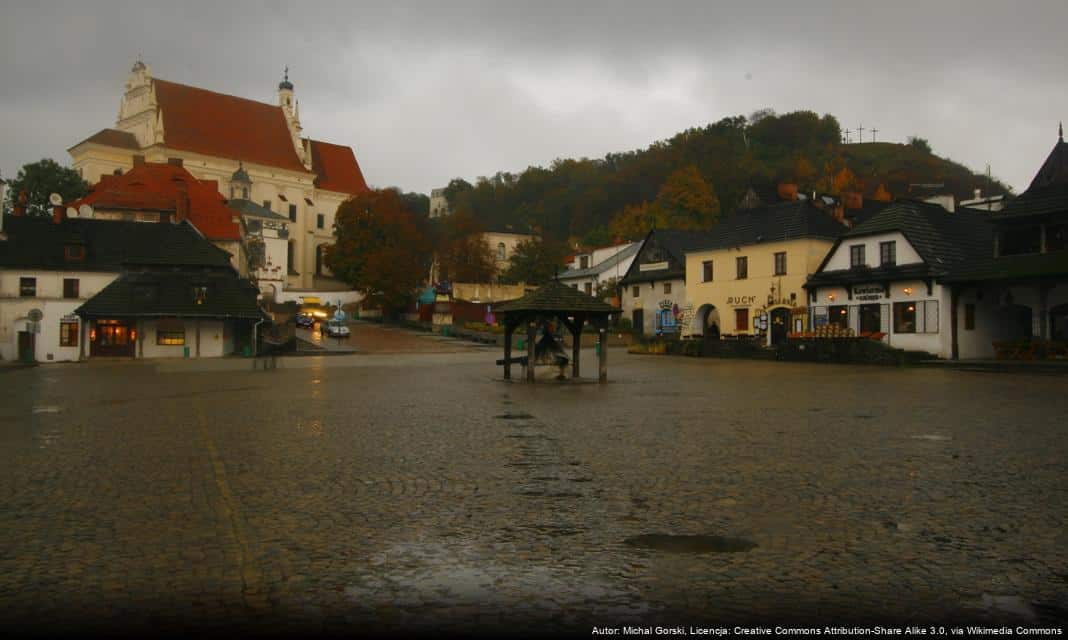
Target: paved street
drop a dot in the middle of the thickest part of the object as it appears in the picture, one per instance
(415, 490)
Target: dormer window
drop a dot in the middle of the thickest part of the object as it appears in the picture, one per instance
(74, 253)
(200, 294)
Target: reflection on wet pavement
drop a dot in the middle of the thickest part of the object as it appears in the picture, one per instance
(408, 489)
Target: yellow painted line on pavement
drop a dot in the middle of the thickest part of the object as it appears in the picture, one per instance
(226, 510)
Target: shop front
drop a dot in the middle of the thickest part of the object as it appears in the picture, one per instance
(111, 338)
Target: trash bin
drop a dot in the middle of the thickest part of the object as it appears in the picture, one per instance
(522, 344)
(185, 352)
(597, 348)
(446, 330)
(246, 351)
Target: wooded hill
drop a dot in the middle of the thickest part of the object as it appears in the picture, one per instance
(578, 199)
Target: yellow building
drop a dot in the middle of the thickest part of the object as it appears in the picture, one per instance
(749, 278)
(213, 135)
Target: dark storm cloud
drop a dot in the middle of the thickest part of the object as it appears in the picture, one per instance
(426, 92)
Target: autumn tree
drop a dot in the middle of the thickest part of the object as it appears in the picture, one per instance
(634, 221)
(535, 262)
(687, 201)
(461, 251)
(379, 250)
(41, 179)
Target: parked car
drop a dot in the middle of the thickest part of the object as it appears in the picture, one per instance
(336, 329)
(305, 320)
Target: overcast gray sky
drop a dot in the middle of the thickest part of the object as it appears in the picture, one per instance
(429, 91)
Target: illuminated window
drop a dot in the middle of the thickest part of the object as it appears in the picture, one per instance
(838, 315)
(904, 317)
(170, 338)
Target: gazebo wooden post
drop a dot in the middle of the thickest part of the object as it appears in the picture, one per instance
(576, 344)
(602, 357)
(532, 334)
(509, 329)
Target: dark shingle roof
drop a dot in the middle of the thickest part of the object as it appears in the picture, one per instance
(556, 297)
(942, 239)
(170, 294)
(671, 245)
(38, 243)
(945, 241)
(250, 208)
(775, 223)
(1048, 191)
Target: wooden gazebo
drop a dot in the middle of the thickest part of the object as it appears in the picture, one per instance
(555, 301)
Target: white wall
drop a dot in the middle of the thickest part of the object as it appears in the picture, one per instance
(50, 301)
(938, 342)
(650, 295)
(211, 340)
(906, 254)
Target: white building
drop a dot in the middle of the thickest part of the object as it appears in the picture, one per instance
(604, 265)
(888, 277)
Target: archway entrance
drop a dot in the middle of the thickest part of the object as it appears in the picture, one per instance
(706, 322)
(779, 325)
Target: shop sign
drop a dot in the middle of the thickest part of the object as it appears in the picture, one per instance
(741, 301)
(653, 266)
(868, 292)
(665, 304)
(70, 317)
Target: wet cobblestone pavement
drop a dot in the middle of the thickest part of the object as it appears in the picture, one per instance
(422, 492)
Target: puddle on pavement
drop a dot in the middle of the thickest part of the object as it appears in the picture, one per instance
(690, 544)
(508, 415)
(934, 437)
(48, 408)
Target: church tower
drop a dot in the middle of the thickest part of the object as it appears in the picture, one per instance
(139, 111)
(291, 109)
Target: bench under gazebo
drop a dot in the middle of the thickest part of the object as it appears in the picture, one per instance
(553, 301)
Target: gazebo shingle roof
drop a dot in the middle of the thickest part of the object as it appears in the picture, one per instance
(556, 297)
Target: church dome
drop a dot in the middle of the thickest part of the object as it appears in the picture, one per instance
(240, 175)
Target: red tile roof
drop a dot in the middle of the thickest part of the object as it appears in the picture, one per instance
(337, 168)
(155, 187)
(225, 126)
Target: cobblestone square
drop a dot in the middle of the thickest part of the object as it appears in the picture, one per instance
(420, 491)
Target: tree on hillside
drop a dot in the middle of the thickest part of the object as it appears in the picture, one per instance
(41, 179)
(687, 200)
(535, 262)
(417, 203)
(920, 144)
(462, 253)
(634, 221)
(379, 250)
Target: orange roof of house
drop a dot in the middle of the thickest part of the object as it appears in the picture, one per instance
(155, 187)
(216, 124)
(337, 168)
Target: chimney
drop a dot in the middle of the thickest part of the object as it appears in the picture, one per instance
(181, 202)
(788, 191)
(57, 214)
(177, 162)
(20, 207)
(138, 160)
(853, 200)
